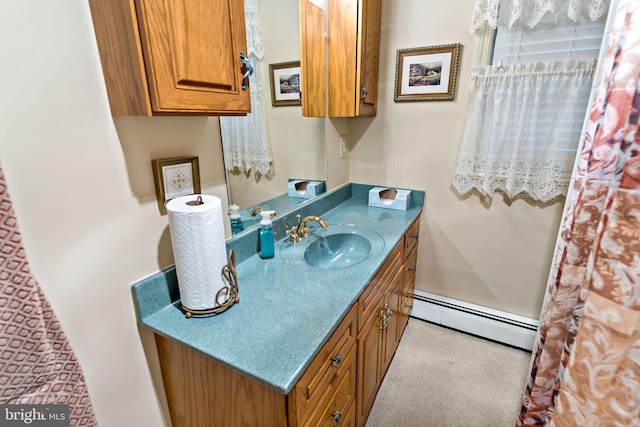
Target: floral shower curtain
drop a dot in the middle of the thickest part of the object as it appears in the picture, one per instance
(585, 368)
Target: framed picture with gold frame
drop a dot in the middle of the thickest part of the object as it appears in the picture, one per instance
(175, 177)
(285, 83)
(427, 73)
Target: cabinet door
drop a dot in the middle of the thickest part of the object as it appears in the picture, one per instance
(368, 368)
(368, 53)
(343, 42)
(391, 333)
(312, 59)
(354, 40)
(192, 54)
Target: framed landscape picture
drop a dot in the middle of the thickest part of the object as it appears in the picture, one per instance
(427, 73)
(285, 83)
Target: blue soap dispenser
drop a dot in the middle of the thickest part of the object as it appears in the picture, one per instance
(236, 222)
(267, 241)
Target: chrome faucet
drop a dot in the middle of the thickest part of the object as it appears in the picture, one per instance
(301, 230)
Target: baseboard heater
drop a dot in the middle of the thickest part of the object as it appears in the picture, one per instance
(496, 325)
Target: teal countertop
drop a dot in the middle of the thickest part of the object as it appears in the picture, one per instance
(287, 310)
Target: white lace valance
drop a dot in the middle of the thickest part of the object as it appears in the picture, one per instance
(520, 133)
(506, 13)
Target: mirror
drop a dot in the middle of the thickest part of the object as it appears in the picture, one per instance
(297, 142)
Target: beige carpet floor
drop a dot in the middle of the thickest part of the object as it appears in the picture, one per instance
(443, 378)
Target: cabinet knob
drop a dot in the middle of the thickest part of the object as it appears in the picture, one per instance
(411, 270)
(336, 360)
(337, 416)
(249, 72)
(364, 93)
(415, 236)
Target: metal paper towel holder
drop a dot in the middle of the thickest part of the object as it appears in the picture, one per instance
(226, 296)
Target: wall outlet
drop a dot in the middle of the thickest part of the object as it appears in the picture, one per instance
(343, 147)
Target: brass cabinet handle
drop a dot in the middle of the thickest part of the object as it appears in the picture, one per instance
(365, 92)
(336, 360)
(385, 321)
(249, 72)
(337, 416)
(389, 312)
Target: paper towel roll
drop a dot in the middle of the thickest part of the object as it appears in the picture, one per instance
(199, 249)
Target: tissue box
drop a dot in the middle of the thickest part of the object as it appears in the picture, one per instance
(305, 189)
(390, 198)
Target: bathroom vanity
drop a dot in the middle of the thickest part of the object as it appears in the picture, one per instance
(305, 346)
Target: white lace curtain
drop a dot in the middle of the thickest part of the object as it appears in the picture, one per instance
(501, 149)
(245, 140)
(530, 12)
(524, 121)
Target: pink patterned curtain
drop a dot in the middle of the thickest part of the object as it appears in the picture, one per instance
(37, 364)
(586, 365)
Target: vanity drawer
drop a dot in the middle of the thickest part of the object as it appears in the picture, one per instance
(411, 237)
(328, 368)
(410, 266)
(368, 301)
(337, 406)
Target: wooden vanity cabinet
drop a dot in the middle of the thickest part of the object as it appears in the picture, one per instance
(172, 57)
(340, 385)
(354, 46)
(204, 393)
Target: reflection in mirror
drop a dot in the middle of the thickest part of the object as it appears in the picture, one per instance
(297, 143)
(299, 192)
(250, 216)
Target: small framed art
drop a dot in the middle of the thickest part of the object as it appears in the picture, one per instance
(427, 73)
(285, 83)
(174, 177)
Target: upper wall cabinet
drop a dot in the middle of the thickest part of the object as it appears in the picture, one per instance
(354, 46)
(172, 57)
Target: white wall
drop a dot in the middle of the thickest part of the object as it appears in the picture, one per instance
(84, 197)
(497, 257)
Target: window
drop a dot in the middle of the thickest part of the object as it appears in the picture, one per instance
(526, 110)
(544, 43)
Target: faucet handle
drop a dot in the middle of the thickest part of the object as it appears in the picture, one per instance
(293, 234)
